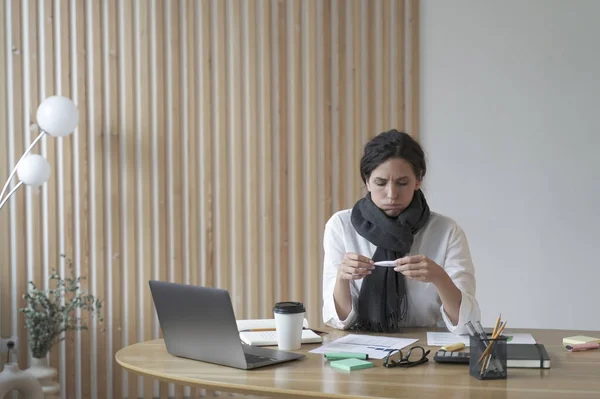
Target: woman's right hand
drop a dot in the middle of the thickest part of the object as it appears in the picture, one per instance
(355, 267)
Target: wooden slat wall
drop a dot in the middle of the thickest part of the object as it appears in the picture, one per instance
(216, 138)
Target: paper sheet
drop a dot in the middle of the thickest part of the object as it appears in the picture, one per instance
(448, 338)
(375, 346)
(445, 338)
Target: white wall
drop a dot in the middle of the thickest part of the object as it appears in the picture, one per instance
(510, 122)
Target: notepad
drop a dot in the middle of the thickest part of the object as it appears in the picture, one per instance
(351, 364)
(269, 338)
(579, 339)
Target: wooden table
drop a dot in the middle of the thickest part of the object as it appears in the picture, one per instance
(573, 375)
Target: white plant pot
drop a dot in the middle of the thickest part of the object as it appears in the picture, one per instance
(45, 375)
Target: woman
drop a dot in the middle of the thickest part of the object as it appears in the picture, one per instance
(431, 282)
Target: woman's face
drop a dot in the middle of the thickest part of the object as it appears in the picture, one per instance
(392, 186)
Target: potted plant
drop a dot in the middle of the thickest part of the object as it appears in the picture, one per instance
(50, 313)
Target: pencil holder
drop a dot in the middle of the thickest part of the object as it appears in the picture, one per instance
(488, 358)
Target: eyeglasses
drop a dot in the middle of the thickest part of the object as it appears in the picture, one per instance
(415, 356)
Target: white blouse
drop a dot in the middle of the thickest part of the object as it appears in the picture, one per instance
(441, 239)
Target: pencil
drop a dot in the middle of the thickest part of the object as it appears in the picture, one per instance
(493, 337)
(489, 357)
(497, 324)
(486, 362)
(496, 333)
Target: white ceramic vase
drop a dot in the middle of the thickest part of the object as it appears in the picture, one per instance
(13, 379)
(46, 377)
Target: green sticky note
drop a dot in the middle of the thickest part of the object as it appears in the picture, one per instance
(345, 355)
(351, 364)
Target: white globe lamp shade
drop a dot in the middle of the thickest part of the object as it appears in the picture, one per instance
(34, 170)
(57, 116)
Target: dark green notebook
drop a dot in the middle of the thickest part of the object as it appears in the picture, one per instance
(533, 356)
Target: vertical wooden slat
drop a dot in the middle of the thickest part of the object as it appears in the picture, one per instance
(215, 140)
(375, 72)
(373, 109)
(47, 71)
(413, 73)
(294, 181)
(34, 197)
(332, 156)
(18, 146)
(126, 137)
(182, 20)
(174, 165)
(326, 112)
(157, 127)
(143, 181)
(250, 262)
(80, 253)
(206, 150)
(266, 220)
(235, 159)
(5, 168)
(360, 96)
(282, 233)
(191, 69)
(221, 169)
(310, 222)
(114, 187)
(398, 78)
(340, 148)
(97, 359)
(385, 54)
(65, 190)
(105, 277)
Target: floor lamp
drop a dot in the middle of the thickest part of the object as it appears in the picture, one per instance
(56, 116)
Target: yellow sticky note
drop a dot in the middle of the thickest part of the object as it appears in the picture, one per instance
(579, 339)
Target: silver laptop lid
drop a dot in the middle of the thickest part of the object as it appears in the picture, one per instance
(198, 323)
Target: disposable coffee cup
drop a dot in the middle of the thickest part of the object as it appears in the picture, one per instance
(289, 318)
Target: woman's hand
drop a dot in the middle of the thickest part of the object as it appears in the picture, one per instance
(420, 267)
(355, 267)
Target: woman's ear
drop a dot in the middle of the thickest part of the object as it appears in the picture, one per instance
(418, 185)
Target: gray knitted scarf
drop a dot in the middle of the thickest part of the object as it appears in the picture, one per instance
(382, 302)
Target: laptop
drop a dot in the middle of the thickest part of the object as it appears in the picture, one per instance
(199, 323)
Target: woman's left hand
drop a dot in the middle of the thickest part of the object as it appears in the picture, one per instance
(419, 267)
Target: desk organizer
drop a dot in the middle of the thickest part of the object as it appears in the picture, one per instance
(488, 358)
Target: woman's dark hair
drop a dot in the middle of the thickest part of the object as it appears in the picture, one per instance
(392, 144)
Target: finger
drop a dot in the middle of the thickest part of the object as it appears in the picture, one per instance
(359, 258)
(410, 259)
(359, 265)
(413, 273)
(354, 273)
(411, 266)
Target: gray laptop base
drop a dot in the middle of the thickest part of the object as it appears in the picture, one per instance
(199, 323)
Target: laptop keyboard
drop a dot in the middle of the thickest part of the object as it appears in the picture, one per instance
(256, 359)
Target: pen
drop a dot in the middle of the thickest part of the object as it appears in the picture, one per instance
(471, 328)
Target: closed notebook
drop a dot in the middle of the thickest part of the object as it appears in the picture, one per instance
(527, 356)
(269, 338)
